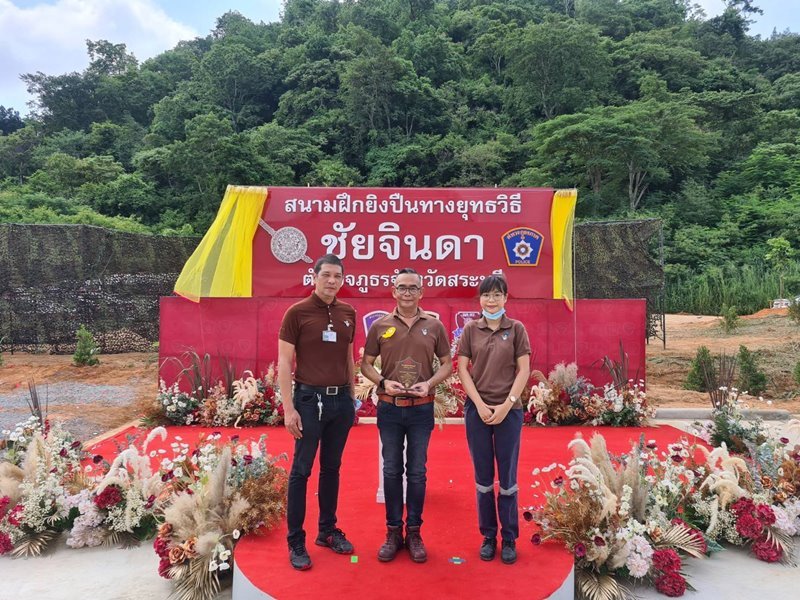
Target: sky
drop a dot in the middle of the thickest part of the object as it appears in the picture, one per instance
(50, 36)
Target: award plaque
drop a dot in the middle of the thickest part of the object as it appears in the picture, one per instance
(408, 371)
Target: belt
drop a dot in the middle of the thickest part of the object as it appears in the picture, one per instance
(325, 390)
(403, 402)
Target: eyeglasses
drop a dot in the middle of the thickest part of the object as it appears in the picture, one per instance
(412, 289)
(493, 296)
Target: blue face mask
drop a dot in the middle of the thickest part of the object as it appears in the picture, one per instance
(495, 316)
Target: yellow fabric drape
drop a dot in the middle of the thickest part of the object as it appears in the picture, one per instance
(222, 265)
(562, 220)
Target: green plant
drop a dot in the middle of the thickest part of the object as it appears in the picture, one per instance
(751, 378)
(779, 255)
(797, 372)
(794, 312)
(701, 362)
(730, 318)
(86, 350)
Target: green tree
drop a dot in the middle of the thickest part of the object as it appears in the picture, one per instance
(10, 120)
(86, 349)
(557, 66)
(751, 378)
(779, 254)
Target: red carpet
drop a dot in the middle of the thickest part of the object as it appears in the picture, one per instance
(450, 529)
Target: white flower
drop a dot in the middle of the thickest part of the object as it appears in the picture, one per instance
(213, 566)
(236, 534)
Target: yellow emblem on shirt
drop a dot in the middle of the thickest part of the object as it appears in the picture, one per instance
(389, 333)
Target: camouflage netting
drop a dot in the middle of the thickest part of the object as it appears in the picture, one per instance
(622, 259)
(53, 278)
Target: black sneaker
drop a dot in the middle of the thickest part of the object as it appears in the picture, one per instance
(509, 552)
(334, 540)
(298, 555)
(488, 548)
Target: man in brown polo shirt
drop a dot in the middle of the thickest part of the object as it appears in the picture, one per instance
(407, 340)
(318, 332)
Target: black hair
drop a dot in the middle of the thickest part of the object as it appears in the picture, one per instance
(410, 271)
(328, 259)
(493, 283)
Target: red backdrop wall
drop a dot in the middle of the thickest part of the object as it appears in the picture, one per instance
(245, 330)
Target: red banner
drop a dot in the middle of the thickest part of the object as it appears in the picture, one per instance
(453, 237)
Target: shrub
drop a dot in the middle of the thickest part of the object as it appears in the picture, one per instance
(702, 362)
(751, 378)
(794, 312)
(730, 318)
(86, 350)
(797, 372)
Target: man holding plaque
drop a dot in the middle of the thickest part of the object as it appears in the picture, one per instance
(407, 340)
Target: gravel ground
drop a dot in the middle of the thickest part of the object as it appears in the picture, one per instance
(66, 402)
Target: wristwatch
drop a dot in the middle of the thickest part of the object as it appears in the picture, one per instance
(381, 382)
(513, 399)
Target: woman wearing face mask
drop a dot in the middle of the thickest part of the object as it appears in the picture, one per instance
(494, 366)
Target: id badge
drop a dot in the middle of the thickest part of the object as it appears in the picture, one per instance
(328, 336)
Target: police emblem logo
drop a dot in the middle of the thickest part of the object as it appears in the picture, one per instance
(523, 247)
(373, 316)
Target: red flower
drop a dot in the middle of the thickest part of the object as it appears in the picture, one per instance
(163, 567)
(599, 541)
(536, 539)
(4, 502)
(110, 496)
(579, 550)
(748, 526)
(97, 459)
(767, 551)
(671, 584)
(161, 546)
(743, 505)
(15, 516)
(528, 417)
(5, 543)
(666, 560)
(528, 516)
(764, 514)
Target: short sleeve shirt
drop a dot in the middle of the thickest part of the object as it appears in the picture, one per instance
(494, 356)
(407, 352)
(319, 363)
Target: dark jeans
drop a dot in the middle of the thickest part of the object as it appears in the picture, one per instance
(487, 444)
(329, 433)
(397, 425)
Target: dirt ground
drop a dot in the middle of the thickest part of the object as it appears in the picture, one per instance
(770, 332)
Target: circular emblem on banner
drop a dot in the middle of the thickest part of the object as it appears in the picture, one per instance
(288, 244)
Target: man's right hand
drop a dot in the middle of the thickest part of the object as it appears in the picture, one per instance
(293, 424)
(393, 388)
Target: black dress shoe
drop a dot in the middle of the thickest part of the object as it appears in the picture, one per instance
(488, 548)
(509, 552)
(335, 540)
